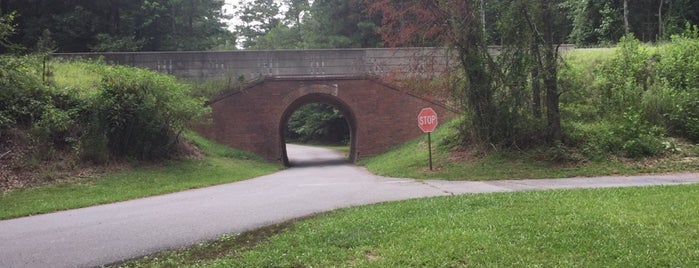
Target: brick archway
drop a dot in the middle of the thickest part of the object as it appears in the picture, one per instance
(322, 98)
(254, 118)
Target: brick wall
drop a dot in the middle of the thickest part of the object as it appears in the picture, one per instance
(379, 115)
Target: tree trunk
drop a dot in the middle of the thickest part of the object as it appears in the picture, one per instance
(535, 80)
(473, 58)
(660, 21)
(115, 15)
(626, 17)
(483, 17)
(550, 64)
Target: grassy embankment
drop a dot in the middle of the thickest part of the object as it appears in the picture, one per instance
(220, 165)
(411, 160)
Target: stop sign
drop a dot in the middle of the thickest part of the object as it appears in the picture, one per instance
(427, 120)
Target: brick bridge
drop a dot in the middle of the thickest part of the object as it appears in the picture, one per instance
(380, 114)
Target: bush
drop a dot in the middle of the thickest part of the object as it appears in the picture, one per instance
(638, 137)
(22, 93)
(624, 78)
(132, 113)
(685, 117)
(679, 62)
(142, 112)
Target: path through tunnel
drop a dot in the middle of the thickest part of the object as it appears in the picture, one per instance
(318, 119)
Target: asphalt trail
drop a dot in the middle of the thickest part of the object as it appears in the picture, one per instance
(320, 181)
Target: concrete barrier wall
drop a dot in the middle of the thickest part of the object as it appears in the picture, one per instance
(283, 63)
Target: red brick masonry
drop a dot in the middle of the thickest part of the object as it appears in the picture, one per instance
(254, 119)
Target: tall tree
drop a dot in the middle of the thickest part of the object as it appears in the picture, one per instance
(627, 28)
(340, 24)
(494, 91)
(258, 17)
(457, 24)
(115, 25)
(297, 8)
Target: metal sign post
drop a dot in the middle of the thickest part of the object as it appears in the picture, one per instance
(427, 122)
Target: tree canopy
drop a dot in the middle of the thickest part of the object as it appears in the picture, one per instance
(119, 25)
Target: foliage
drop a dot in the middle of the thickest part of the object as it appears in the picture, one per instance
(7, 29)
(86, 25)
(679, 64)
(318, 123)
(142, 113)
(624, 77)
(600, 22)
(637, 137)
(322, 24)
(503, 96)
(258, 17)
(632, 100)
(130, 112)
(678, 71)
(685, 116)
(339, 24)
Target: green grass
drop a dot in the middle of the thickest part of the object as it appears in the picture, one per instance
(621, 227)
(222, 165)
(411, 160)
(80, 76)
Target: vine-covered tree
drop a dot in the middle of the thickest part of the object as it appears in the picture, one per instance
(501, 108)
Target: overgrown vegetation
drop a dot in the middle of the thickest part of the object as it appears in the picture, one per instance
(641, 101)
(411, 161)
(318, 123)
(92, 112)
(651, 226)
(87, 25)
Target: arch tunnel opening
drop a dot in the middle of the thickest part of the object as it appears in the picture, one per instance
(317, 118)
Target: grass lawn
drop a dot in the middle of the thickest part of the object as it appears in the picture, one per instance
(619, 227)
(222, 165)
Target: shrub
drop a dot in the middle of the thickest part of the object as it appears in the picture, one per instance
(22, 94)
(638, 137)
(679, 62)
(685, 117)
(131, 113)
(142, 112)
(624, 78)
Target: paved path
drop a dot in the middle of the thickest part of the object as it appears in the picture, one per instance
(110, 233)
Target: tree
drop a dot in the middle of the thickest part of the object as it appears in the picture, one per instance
(493, 92)
(7, 29)
(602, 21)
(627, 28)
(118, 25)
(453, 23)
(339, 24)
(297, 8)
(258, 17)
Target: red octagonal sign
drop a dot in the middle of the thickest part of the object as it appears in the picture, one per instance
(427, 120)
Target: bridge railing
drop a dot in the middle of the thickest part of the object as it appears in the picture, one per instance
(248, 65)
(283, 63)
